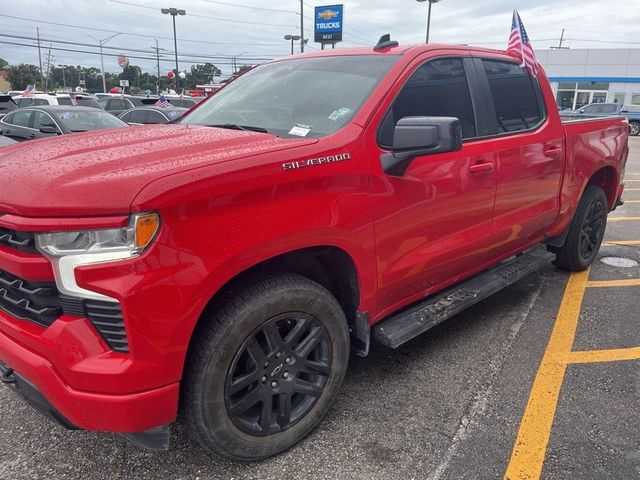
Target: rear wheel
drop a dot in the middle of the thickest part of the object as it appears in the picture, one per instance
(266, 368)
(585, 232)
(634, 128)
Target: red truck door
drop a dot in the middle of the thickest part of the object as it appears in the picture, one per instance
(434, 221)
(529, 144)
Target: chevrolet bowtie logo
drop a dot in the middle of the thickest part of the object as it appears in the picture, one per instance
(327, 14)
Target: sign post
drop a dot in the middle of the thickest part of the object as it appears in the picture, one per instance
(328, 21)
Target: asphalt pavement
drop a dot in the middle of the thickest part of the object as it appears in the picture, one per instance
(540, 380)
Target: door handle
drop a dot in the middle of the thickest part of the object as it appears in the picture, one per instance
(552, 151)
(481, 167)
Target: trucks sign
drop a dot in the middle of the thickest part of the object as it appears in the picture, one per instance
(328, 23)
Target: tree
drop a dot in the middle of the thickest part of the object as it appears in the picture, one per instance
(244, 68)
(19, 76)
(3, 63)
(201, 74)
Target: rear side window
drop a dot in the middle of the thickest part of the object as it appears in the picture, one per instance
(21, 118)
(609, 109)
(515, 96)
(135, 116)
(439, 88)
(82, 101)
(156, 117)
(25, 102)
(119, 104)
(40, 101)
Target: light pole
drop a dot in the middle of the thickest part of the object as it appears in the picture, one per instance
(64, 80)
(292, 38)
(174, 12)
(102, 42)
(428, 15)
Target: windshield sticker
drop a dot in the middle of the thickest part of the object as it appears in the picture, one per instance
(339, 113)
(65, 115)
(173, 114)
(300, 130)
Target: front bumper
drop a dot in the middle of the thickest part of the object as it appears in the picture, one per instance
(39, 383)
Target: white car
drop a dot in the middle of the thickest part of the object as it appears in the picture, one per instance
(64, 99)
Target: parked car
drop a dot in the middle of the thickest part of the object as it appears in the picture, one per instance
(5, 141)
(229, 263)
(151, 114)
(7, 104)
(609, 109)
(184, 102)
(39, 99)
(50, 120)
(117, 104)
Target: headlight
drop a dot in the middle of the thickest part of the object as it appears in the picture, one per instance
(68, 250)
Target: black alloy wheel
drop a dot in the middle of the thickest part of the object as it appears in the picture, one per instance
(592, 230)
(278, 374)
(586, 231)
(264, 367)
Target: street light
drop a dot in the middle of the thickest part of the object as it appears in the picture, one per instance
(174, 12)
(428, 14)
(64, 80)
(102, 42)
(292, 38)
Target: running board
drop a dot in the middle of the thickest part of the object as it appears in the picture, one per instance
(402, 327)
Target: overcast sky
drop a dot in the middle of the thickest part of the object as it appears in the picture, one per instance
(254, 29)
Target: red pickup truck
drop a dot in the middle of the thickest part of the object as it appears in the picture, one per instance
(227, 265)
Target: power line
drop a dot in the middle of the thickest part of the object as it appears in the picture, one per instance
(251, 8)
(135, 34)
(218, 19)
(128, 49)
(137, 57)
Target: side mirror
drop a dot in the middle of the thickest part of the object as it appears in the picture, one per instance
(415, 136)
(581, 110)
(48, 129)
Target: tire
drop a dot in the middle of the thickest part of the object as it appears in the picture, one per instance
(280, 346)
(585, 232)
(634, 128)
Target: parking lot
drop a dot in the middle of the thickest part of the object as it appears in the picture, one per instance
(541, 380)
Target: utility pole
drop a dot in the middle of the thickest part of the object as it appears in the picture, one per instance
(174, 12)
(560, 47)
(40, 60)
(49, 60)
(301, 26)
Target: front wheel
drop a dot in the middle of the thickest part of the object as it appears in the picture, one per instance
(585, 232)
(266, 368)
(634, 128)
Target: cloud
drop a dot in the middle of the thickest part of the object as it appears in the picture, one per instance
(588, 23)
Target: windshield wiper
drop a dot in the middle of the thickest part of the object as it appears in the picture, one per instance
(233, 126)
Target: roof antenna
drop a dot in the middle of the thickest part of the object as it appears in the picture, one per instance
(385, 42)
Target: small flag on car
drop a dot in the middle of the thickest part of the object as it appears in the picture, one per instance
(182, 94)
(29, 90)
(520, 47)
(163, 102)
(72, 96)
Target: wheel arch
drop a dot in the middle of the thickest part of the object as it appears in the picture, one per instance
(330, 266)
(607, 179)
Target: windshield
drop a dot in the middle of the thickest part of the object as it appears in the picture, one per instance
(83, 120)
(83, 102)
(307, 97)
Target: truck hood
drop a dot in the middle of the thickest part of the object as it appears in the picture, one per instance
(100, 173)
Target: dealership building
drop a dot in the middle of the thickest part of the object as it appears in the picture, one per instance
(582, 76)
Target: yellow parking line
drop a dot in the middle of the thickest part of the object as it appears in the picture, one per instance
(594, 356)
(621, 243)
(622, 219)
(530, 446)
(632, 189)
(632, 201)
(627, 282)
(632, 180)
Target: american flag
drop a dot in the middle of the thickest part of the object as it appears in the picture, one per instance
(520, 47)
(72, 96)
(29, 90)
(163, 102)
